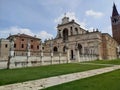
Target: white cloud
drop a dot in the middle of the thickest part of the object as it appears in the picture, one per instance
(94, 13)
(108, 30)
(91, 29)
(44, 35)
(72, 16)
(15, 30)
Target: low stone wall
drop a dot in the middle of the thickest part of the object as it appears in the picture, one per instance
(24, 61)
(84, 58)
(3, 64)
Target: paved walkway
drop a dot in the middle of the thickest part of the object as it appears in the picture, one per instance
(51, 81)
(98, 64)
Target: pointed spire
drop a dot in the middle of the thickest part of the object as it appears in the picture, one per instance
(114, 12)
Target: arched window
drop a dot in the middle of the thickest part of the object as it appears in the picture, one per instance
(76, 30)
(55, 49)
(65, 34)
(80, 48)
(64, 49)
(71, 31)
(59, 33)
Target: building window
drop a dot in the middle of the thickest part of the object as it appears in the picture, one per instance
(31, 46)
(43, 48)
(65, 35)
(59, 33)
(22, 39)
(38, 47)
(31, 40)
(76, 30)
(64, 49)
(22, 46)
(6, 45)
(80, 48)
(14, 45)
(71, 30)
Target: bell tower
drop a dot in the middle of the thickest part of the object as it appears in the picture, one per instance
(115, 22)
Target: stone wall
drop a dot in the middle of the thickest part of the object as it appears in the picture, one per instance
(24, 61)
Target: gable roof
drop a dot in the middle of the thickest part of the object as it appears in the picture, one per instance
(23, 35)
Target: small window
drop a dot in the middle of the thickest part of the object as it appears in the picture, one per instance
(14, 45)
(6, 45)
(31, 46)
(31, 40)
(22, 46)
(43, 48)
(38, 47)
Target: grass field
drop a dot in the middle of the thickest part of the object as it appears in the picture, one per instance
(116, 62)
(33, 73)
(107, 81)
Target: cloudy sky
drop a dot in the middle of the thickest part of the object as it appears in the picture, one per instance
(40, 17)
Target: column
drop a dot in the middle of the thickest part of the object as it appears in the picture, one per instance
(68, 55)
(41, 56)
(11, 52)
(78, 55)
(51, 50)
(59, 57)
(28, 53)
(51, 57)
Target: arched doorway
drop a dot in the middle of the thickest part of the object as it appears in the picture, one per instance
(72, 55)
(65, 34)
(64, 49)
(80, 48)
(55, 49)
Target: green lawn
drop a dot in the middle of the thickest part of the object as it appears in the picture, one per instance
(32, 73)
(107, 81)
(116, 62)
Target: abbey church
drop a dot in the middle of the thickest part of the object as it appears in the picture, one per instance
(71, 36)
(71, 40)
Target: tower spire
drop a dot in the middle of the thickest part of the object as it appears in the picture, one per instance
(114, 12)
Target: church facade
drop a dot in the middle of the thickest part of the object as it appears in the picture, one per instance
(71, 37)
